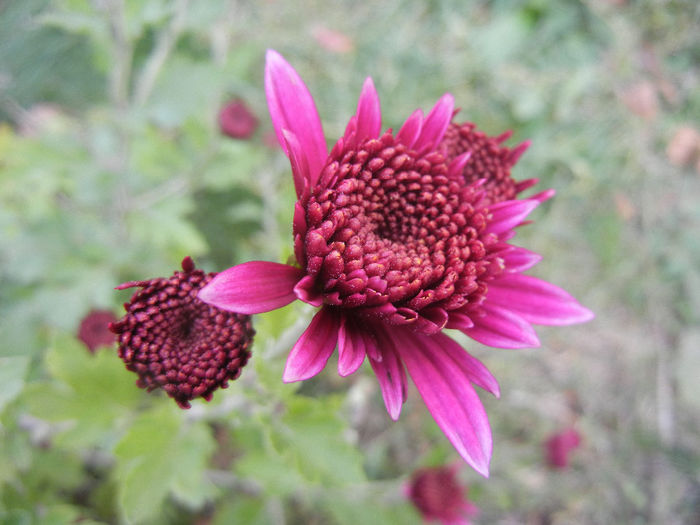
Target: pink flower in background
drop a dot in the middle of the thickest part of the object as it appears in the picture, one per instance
(559, 446)
(439, 496)
(394, 245)
(333, 41)
(237, 121)
(94, 329)
(174, 341)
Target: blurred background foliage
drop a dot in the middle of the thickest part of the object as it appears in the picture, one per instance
(112, 168)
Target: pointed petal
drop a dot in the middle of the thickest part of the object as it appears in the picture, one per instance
(252, 287)
(410, 131)
(305, 290)
(457, 165)
(543, 195)
(507, 215)
(449, 396)
(431, 320)
(300, 165)
(351, 346)
(459, 320)
(390, 373)
(349, 134)
(525, 184)
(501, 328)
(292, 107)
(519, 259)
(436, 123)
(474, 369)
(537, 301)
(504, 136)
(369, 113)
(518, 151)
(313, 349)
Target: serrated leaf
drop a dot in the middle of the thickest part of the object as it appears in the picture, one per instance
(246, 510)
(347, 511)
(94, 392)
(312, 440)
(161, 454)
(12, 373)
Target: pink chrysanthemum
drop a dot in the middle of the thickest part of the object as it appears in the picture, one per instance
(94, 329)
(559, 446)
(394, 245)
(176, 342)
(440, 497)
(488, 160)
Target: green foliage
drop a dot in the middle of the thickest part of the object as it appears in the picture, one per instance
(12, 373)
(161, 454)
(92, 394)
(112, 168)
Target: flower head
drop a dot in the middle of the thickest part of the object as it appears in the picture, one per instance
(94, 329)
(237, 121)
(174, 341)
(394, 245)
(489, 160)
(439, 496)
(559, 446)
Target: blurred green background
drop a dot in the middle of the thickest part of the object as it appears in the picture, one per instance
(113, 168)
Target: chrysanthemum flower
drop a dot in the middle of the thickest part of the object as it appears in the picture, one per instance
(174, 341)
(94, 329)
(559, 446)
(489, 161)
(394, 245)
(440, 497)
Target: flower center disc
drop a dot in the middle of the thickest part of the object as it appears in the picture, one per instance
(388, 225)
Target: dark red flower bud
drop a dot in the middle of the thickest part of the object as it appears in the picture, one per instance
(559, 446)
(438, 495)
(237, 121)
(174, 341)
(94, 329)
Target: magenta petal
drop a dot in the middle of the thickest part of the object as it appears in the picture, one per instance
(543, 195)
(313, 349)
(305, 290)
(298, 161)
(410, 131)
(525, 184)
(537, 301)
(390, 373)
(474, 369)
(253, 287)
(449, 396)
(292, 107)
(459, 320)
(518, 151)
(519, 259)
(507, 215)
(457, 164)
(436, 123)
(502, 328)
(369, 114)
(351, 346)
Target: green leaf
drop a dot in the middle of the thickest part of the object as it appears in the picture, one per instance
(12, 373)
(250, 511)
(347, 510)
(94, 391)
(307, 446)
(315, 442)
(161, 454)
